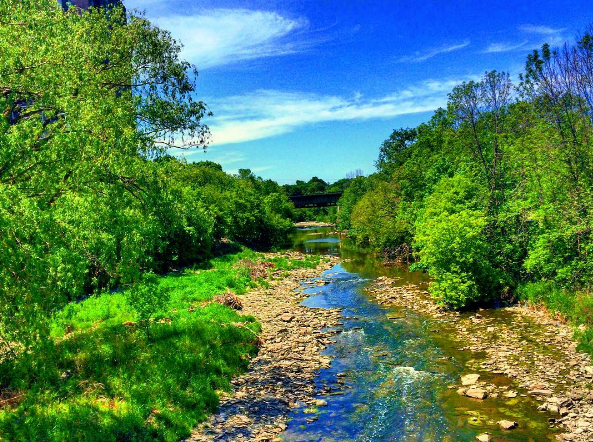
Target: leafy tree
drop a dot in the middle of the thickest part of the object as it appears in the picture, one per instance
(394, 150)
(86, 97)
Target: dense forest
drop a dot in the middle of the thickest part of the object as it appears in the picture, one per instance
(493, 196)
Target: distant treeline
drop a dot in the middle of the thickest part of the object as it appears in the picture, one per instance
(494, 195)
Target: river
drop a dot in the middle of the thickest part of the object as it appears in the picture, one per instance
(393, 370)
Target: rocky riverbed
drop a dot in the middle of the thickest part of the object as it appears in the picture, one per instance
(526, 345)
(283, 373)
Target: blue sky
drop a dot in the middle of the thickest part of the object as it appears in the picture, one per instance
(305, 88)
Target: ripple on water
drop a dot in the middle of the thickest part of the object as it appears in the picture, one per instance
(390, 372)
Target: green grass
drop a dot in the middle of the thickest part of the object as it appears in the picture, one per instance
(576, 307)
(102, 380)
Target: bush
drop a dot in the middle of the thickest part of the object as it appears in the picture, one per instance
(453, 246)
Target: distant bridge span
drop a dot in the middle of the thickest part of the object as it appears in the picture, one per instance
(316, 200)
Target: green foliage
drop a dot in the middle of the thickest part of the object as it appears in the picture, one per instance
(496, 191)
(452, 245)
(90, 101)
(394, 150)
(377, 218)
(357, 188)
(146, 297)
(575, 306)
(125, 384)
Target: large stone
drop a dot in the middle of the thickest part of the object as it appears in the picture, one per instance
(476, 393)
(484, 437)
(469, 379)
(507, 425)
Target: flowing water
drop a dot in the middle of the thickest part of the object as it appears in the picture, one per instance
(391, 367)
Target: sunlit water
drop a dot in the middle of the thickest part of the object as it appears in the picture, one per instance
(391, 368)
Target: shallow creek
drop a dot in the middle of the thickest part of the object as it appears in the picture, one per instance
(392, 368)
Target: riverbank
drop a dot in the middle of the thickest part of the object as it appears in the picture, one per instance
(526, 345)
(282, 375)
(153, 380)
(307, 224)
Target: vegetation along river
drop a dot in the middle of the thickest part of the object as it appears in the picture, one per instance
(394, 372)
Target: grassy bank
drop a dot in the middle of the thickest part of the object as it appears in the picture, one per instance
(574, 307)
(110, 376)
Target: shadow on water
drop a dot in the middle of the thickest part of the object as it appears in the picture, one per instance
(391, 367)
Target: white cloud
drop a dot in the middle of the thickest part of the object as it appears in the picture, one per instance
(221, 36)
(544, 34)
(423, 56)
(268, 113)
(504, 47)
(222, 156)
(540, 30)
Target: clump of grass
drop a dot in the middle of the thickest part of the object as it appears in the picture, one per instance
(114, 374)
(287, 263)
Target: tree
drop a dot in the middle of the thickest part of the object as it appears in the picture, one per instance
(393, 151)
(86, 98)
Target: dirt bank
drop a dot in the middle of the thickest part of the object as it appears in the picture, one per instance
(536, 351)
(282, 375)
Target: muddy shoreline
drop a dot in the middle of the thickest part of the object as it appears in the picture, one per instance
(534, 350)
(282, 375)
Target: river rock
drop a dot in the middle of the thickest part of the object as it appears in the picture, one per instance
(469, 379)
(282, 375)
(287, 317)
(476, 393)
(507, 425)
(546, 393)
(484, 437)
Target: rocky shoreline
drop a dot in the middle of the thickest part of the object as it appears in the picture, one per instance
(283, 373)
(305, 224)
(533, 349)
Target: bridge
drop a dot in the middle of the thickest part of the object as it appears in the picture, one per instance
(316, 200)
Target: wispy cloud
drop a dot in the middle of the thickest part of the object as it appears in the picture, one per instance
(544, 34)
(540, 30)
(222, 36)
(268, 113)
(221, 156)
(430, 53)
(504, 47)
